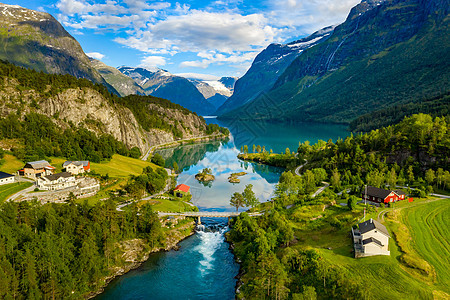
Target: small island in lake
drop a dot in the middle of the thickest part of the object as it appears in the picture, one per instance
(205, 175)
(234, 177)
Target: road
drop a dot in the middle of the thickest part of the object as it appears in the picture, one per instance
(320, 190)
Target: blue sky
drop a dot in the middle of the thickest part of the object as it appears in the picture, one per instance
(218, 38)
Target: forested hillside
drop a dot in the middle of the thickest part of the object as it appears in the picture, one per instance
(65, 251)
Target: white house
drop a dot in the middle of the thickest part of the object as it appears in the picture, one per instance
(77, 167)
(371, 238)
(6, 178)
(56, 181)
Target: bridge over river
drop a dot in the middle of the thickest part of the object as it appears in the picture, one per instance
(205, 214)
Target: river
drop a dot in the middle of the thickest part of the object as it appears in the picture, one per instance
(204, 267)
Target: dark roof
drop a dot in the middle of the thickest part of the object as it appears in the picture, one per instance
(372, 240)
(58, 175)
(371, 225)
(85, 163)
(5, 175)
(399, 192)
(377, 192)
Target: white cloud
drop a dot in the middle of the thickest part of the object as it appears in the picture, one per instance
(204, 31)
(153, 61)
(95, 55)
(306, 16)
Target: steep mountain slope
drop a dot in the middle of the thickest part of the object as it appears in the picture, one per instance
(268, 66)
(141, 121)
(160, 83)
(386, 53)
(123, 84)
(36, 40)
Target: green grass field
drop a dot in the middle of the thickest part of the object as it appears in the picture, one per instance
(120, 166)
(429, 227)
(387, 276)
(166, 205)
(12, 188)
(11, 164)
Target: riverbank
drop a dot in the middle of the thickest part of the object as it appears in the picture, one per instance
(207, 138)
(135, 252)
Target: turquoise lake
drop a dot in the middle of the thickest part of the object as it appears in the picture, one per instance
(204, 267)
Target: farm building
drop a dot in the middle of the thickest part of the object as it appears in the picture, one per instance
(37, 169)
(6, 178)
(181, 190)
(378, 195)
(371, 238)
(77, 167)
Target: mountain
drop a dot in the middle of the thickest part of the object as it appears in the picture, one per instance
(36, 40)
(386, 53)
(216, 91)
(123, 84)
(68, 102)
(268, 66)
(160, 83)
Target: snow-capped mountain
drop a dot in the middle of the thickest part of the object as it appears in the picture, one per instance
(216, 91)
(163, 84)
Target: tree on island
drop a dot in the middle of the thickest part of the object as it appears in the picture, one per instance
(237, 200)
(206, 171)
(249, 196)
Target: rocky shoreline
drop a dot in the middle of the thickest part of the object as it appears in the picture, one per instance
(134, 252)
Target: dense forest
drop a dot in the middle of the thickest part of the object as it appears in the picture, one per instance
(437, 107)
(56, 251)
(41, 138)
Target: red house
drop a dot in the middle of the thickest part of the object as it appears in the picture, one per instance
(378, 195)
(181, 190)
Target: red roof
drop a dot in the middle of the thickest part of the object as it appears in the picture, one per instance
(183, 188)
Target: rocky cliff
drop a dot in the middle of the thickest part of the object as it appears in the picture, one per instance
(90, 108)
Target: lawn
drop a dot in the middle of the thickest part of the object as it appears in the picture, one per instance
(121, 166)
(12, 188)
(11, 164)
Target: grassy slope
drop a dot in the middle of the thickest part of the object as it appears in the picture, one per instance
(11, 164)
(121, 166)
(393, 279)
(429, 227)
(12, 188)
(169, 205)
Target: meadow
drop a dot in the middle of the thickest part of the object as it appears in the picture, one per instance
(418, 267)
